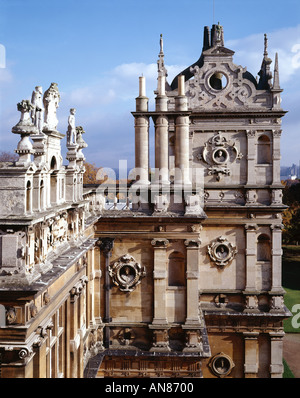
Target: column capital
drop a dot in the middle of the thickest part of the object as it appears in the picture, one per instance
(250, 335)
(251, 133)
(160, 243)
(250, 227)
(277, 133)
(192, 243)
(276, 227)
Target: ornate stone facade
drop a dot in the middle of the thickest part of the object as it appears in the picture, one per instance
(181, 277)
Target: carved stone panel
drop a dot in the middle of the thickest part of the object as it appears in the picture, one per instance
(218, 154)
(126, 273)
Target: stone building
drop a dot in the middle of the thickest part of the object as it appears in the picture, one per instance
(177, 274)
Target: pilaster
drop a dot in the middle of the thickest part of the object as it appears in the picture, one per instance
(251, 157)
(276, 258)
(276, 366)
(160, 280)
(276, 157)
(192, 280)
(251, 354)
(250, 230)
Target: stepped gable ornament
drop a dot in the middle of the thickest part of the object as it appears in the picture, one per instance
(126, 273)
(217, 153)
(221, 252)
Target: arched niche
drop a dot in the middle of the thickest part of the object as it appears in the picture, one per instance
(176, 269)
(263, 248)
(263, 150)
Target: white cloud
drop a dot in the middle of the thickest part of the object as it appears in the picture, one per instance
(119, 85)
(286, 42)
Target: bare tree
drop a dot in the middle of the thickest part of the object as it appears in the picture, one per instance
(6, 156)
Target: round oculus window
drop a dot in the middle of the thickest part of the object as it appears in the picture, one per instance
(218, 81)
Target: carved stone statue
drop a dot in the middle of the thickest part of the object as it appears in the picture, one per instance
(71, 133)
(51, 100)
(37, 114)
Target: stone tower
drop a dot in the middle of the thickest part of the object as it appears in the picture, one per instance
(176, 273)
(205, 224)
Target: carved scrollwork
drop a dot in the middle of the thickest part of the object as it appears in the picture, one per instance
(217, 153)
(126, 273)
(24, 353)
(221, 252)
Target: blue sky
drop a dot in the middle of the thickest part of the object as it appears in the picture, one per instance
(96, 50)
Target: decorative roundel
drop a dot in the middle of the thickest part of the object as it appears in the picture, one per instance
(126, 273)
(220, 155)
(221, 252)
(221, 365)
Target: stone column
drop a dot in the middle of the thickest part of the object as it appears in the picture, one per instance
(161, 149)
(251, 157)
(182, 142)
(161, 124)
(276, 157)
(276, 258)
(276, 366)
(142, 135)
(251, 354)
(142, 149)
(250, 258)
